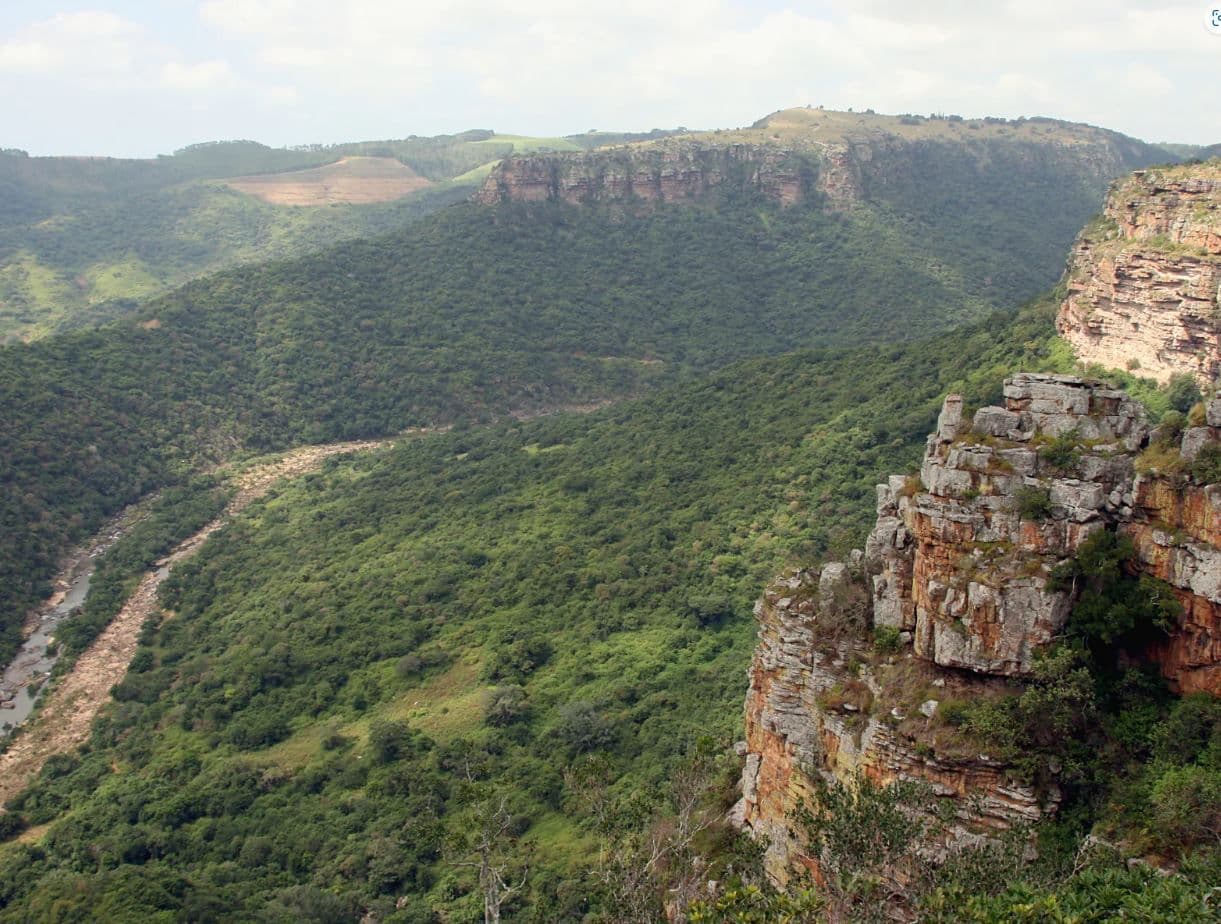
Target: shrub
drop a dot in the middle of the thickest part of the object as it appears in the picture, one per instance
(390, 739)
(503, 706)
(1182, 392)
(1187, 804)
(11, 824)
(887, 640)
(1172, 425)
(1062, 452)
(1205, 468)
(1032, 502)
(583, 728)
(1198, 415)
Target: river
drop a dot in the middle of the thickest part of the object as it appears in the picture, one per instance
(32, 664)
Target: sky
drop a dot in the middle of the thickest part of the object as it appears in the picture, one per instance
(140, 77)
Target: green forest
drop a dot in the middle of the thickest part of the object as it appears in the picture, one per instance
(516, 597)
(474, 312)
(546, 620)
(504, 659)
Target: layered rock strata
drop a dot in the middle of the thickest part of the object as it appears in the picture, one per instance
(1144, 281)
(812, 710)
(673, 172)
(958, 565)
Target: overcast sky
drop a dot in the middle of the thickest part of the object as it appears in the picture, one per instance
(133, 77)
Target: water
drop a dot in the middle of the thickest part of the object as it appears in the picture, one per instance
(32, 663)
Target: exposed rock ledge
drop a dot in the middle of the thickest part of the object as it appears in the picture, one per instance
(674, 172)
(958, 563)
(1144, 281)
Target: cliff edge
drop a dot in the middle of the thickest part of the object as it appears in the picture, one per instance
(961, 576)
(1144, 279)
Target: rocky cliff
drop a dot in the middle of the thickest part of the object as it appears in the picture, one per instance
(844, 157)
(1144, 280)
(665, 172)
(958, 569)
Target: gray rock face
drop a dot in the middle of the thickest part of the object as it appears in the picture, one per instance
(995, 421)
(1195, 439)
(963, 563)
(949, 423)
(1214, 412)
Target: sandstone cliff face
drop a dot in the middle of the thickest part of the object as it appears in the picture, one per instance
(813, 708)
(659, 173)
(959, 562)
(1144, 282)
(977, 596)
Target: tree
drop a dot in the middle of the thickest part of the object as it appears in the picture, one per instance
(488, 841)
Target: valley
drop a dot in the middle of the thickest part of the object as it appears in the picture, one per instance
(63, 721)
(452, 509)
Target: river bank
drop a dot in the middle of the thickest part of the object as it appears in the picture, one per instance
(66, 716)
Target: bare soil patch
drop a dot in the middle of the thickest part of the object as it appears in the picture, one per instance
(350, 180)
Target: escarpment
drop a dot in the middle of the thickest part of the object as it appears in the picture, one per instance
(675, 172)
(959, 578)
(841, 158)
(1145, 278)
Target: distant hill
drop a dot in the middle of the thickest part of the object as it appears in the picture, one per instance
(83, 239)
(477, 312)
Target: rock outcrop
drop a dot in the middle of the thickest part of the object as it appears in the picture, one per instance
(958, 568)
(816, 706)
(992, 516)
(1145, 279)
(672, 171)
(842, 157)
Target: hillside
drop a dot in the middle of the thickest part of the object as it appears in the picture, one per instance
(82, 239)
(478, 311)
(512, 599)
(350, 181)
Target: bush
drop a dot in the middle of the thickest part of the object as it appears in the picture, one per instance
(1032, 502)
(887, 640)
(11, 824)
(1062, 452)
(391, 739)
(583, 728)
(1205, 468)
(504, 706)
(1182, 392)
(1187, 804)
(1172, 425)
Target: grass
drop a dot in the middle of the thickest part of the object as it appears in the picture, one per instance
(444, 706)
(475, 175)
(525, 144)
(128, 278)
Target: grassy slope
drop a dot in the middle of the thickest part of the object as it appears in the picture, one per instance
(586, 544)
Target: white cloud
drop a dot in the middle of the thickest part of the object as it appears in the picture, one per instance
(206, 75)
(83, 42)
(304, 70)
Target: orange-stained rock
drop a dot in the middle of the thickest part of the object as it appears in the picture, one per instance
(960, 569)
(791, 736)
(1144, 283)
(1177, 533)
(958, 563)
